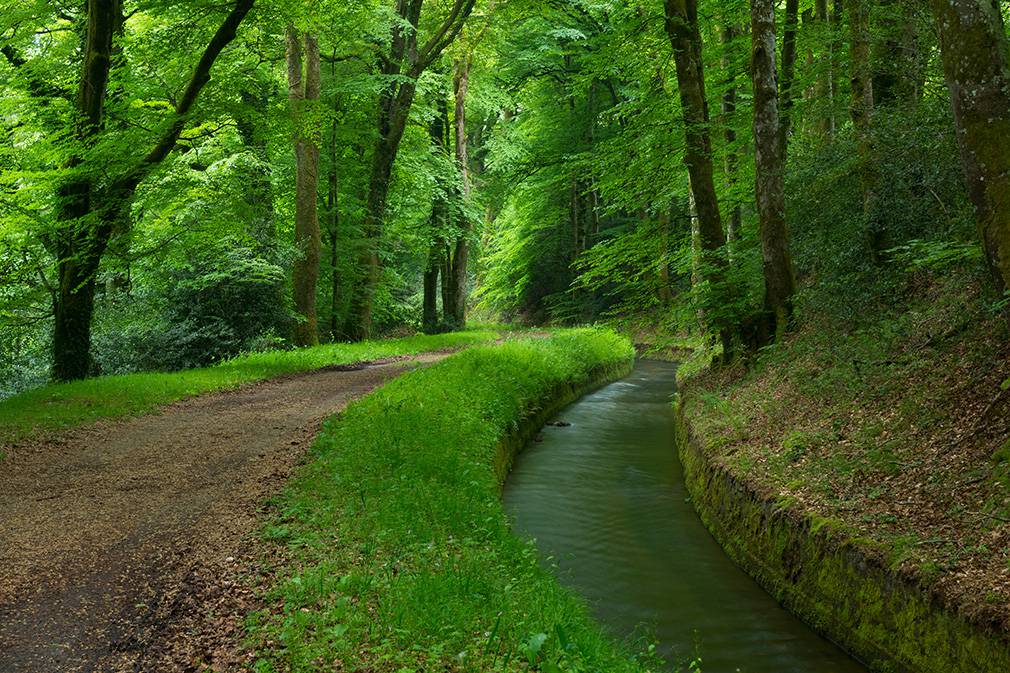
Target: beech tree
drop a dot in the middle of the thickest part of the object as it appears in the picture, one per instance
(769, 178)
(976, 64)
(92, 205)
(682, 28)
(304, 81)
(407, 58)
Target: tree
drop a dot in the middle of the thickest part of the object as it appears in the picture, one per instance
(682, 28)
(303, 92)
(461, 252)
(861, 109)
(976, 65)
(788, 65)
(769, 181)
(438, 264)
(91, 205)
(406, 60)
(730, 63)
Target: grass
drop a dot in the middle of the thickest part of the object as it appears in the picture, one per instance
(397, 553)
(63, 405)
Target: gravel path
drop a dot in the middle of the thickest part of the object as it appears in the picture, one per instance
(130, 546)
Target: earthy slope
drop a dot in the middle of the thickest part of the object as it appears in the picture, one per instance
(898, 432)
(126, 546)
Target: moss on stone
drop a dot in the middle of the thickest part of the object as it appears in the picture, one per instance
(835, 582)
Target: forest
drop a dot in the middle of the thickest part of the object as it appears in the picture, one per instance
(183, 182)
(804, 203)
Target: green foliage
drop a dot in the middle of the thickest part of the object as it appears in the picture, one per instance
(399, 553)
(63, 405)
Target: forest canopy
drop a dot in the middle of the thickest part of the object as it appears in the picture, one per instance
(186, 181)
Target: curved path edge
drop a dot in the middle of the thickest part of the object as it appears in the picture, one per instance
(131, 545)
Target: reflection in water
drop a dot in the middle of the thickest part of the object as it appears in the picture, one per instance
(605, 497)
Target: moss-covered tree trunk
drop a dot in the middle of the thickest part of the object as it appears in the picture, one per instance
(88, 209)
(78, 244)
(769, 181)
(685, 38)
(861, 109)
(976, 65)
(303, 90)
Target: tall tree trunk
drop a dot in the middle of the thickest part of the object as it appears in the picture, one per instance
(896, 68)
(823, 89)
(769, 182)
(862, 116)
(78, 247)
(837, 14)
(461, 254)
(730, 64)
(976, 65)
(429, 317)
(438, 266)
(80, 243)
(788, 66)
(407, 61)
(303, 91)
(333, 228)
(682, 28)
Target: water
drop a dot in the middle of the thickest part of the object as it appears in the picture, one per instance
(606, 498)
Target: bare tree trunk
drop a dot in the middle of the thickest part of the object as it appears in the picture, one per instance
(976, 65)
(682, 28)
(303, 92)
(769, 182)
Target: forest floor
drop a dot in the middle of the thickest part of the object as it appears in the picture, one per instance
(132, 545)
(896, 432)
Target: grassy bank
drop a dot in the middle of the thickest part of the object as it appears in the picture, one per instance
(397, 553)
(63, 405)
(893, 432)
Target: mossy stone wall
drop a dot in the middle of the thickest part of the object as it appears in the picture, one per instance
(834, 581)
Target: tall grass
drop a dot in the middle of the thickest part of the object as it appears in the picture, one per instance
(399, 556)
(62, 405)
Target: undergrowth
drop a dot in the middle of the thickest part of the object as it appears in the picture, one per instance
(895, 425)
(398, 554)
(63, 405)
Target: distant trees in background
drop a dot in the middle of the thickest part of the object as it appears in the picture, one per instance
(183, 182)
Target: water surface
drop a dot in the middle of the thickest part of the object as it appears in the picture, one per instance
(605, 497)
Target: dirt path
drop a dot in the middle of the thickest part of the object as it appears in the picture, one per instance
(129, 546)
